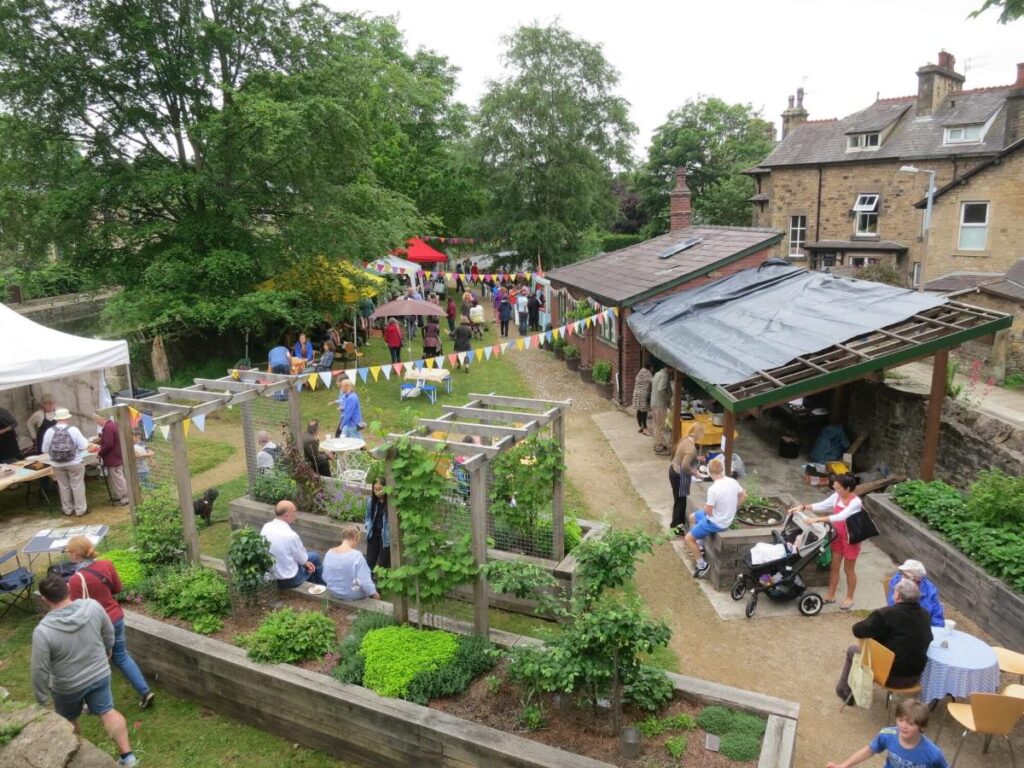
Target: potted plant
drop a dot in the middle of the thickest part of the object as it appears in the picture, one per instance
(572, 357)
(602, 376)
(585, 376)
(558, 347)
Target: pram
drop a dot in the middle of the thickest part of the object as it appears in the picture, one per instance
(779, 578)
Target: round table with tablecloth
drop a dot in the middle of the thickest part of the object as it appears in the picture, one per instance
(966, 666)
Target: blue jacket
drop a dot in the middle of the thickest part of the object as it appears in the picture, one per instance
(351, 412)
(505, 311)
(929, 598)
(279, 356)
(385, 535)
(299, 351)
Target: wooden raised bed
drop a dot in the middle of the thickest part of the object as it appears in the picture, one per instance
(355, 724)
(992, 605)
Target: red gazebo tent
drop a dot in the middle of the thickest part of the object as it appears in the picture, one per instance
(418, 251)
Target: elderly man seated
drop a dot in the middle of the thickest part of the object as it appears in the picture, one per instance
(914, 570)
(293, 563)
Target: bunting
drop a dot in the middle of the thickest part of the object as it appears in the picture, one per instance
(325, 377)
(363, 372)
(147, 425)
(312, 379)
(186, 424)
(468, 277)
(200, 421)
(375, 372)
(165, 430)
(386, 370)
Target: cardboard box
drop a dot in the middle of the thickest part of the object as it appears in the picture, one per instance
(816, 479)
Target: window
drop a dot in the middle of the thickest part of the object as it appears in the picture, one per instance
(858, 261)
(973, 226)
(607, 331)
(797, 235)
(915, 280)
(964, 134)
(865, 207)
(860, 142)
(825, 261)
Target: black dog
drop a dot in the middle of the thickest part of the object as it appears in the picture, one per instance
(204, 507)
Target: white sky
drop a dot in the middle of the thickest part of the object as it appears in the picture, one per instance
(843, 53)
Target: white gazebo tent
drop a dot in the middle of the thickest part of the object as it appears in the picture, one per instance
(395, 265)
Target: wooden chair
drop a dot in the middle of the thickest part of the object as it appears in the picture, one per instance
(350, 353)
(1015, 690)
(990, 714)
(1011, 662)
(882, 660)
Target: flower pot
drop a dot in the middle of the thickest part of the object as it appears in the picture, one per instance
(559, 353)
(585, 375)
(572, 363)
(604, 389)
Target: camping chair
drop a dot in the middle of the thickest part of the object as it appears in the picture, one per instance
(15, 584)
(1011, 662)
(349, 353)
(991, 714)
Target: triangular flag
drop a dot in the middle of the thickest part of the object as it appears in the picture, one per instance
(362, 374)
(519, 344)
(470, 356)
(495, 277)
(386, 370)
(147, 425)
(528, 340)
(165, 431)
(487, 353)
(528, 274)
(427, 275)
(547, 336)
(351, 373)
(325, 377)
(430, 362)
(461, 356)
(497, 349)
(298, 385)
(398, 367)
(504, 347)
(599, 319)
(418, 364)
(439, 361)
(452, 358)
(616, 311)
(200, 421)
(579, 327)
(133, 415)
(590, 321)
(312, 379)
(375, 371)
(556, 333)
(187, 423)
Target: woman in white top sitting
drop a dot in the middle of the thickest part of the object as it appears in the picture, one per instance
(346, 573)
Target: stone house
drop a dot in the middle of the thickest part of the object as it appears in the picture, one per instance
(684, 258)
(839, 190)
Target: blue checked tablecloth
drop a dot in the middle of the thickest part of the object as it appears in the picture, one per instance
(967, 666)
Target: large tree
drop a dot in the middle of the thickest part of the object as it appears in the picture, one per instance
(551, 134)
(715, 141)
(1009, 10)
(226, 141)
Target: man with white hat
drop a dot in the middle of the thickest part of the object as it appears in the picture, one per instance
(914, 570)
(65, 444)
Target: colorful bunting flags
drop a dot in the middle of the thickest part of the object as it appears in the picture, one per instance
(147, 425)
(165, 431)
(325, 377)
(200, 421)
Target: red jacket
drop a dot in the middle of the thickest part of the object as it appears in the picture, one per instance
(392, 335)
(99, 590)
(110, 445)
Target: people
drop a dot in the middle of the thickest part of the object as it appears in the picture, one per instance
(724, 497)
(522, 312)
(110, 454)
(326, 361)
(393, 338)
(40, 421)
(303, 348)
(99, 580)
(661, 398)
(431, 338)
(346, 572)
(533, 311)
(293, 563)
(504, 313)
(463, 343)
(65, 443)
(378, 537)
(642, 397)
(142, 460)
(70, 649)
(914, 570)
(311, 448)
(476, 320)
(279, 359)
(474, 272)
(844, 503)
(906, 744)
(267, 453)
(351, 411)
(9, 449)
(459, 285)
(451, 312)
(904, 628)
(681, 471)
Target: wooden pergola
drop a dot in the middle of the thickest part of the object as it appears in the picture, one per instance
(503, 428)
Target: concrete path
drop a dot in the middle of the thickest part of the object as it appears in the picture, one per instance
(1005, 404)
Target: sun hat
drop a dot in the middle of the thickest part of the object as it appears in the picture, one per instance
(61, 414)
(913, 566)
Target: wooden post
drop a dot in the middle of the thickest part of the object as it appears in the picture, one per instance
(401, 605)
(558, 494)
(836, 412)
(478, 513)
(249, 437)
(131, 469)
(934, 417)
(184, 483)
(677, 407)
(295, 416)
(729, 430)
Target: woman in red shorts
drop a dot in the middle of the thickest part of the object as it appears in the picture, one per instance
(843, 503)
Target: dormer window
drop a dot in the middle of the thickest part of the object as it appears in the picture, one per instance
(964, 134)
(862, 142)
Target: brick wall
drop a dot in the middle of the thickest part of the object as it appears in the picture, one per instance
(982, 348)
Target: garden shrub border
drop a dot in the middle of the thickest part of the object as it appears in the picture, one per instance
(995, 608)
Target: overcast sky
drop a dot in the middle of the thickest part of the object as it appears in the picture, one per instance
(843, 53)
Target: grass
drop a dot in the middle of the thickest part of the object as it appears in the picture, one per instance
(1014, 381)
(204, 454)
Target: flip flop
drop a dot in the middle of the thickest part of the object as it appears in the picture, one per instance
(826, 601)
(846, 605)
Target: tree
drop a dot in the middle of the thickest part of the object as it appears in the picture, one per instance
(549, 136)
(1010, 10)
(715, 141)
(225, 141)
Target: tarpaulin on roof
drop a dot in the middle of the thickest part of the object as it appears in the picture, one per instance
(724, 331)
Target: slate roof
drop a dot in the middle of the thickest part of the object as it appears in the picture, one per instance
(630, 274)
(963, 179)
(1011, 286)
(856, 245)
(958, 282)
(912, 138)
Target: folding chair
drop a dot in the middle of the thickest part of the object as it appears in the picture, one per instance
(881, 665)
(15, 584)
(989, 714)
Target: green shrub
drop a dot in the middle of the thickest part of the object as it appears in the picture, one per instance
(997, 499)
(128, 566)
(532, 718)
(248, 561)
(655, 726)
(272, 487)
(207, 625)
(192, 594)
(613, 241)
(601, 372)
(740, 746)
(740, 732)
(650, 689)
(159, 536)
(571, 351)
(395, 655)
(474, 656)
(716, 720)
(287, 636)
(351, 662)
(676, 746)
(745, 722)
(558, 343)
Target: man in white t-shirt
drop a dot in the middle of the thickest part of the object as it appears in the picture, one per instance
(724, 497)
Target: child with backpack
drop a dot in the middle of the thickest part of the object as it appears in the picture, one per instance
(65, 443)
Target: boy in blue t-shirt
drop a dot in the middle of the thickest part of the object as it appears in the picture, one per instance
(906, 744)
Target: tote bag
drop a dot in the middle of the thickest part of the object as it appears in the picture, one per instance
(861, 678)
(860, 526)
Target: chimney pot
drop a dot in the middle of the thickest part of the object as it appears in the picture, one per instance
(680, 214)
(791, 102)
(946, 60)
(799, 97)
(1020, 76)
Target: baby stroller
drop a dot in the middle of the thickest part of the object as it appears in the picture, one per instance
(779, 578)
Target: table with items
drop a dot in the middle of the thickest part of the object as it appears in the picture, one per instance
(959, 664)
(51, 541)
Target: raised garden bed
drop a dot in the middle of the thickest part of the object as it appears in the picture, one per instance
(993, 606)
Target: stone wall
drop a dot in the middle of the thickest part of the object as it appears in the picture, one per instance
(894, 420)
(73, 312)
(44, 738)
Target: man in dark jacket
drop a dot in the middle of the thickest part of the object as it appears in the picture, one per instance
(463, 341)
(110, 454)
(905, 629)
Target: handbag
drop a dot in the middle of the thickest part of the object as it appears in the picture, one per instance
(860, 527)
(862, 678)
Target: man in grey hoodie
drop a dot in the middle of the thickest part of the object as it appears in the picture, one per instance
(71, 649)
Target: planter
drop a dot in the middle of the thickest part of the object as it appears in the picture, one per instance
(572, 363)
(604, 389)
(357, 725)
(995, 607)
(585, 375)
(559, 352)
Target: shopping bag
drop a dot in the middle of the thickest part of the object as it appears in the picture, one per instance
(860, 526)
(861, 678)
(824, 558)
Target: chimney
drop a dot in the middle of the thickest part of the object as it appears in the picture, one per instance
(679, 203)
(1015, 109)
(794, 115)
(935, 82)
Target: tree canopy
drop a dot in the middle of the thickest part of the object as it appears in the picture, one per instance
(550, 135)
(715, 141)
(1009, 10)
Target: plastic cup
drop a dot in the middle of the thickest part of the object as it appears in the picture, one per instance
(950, 626)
